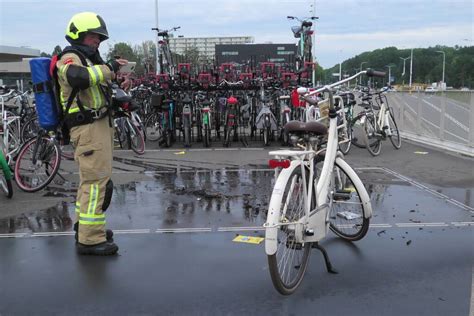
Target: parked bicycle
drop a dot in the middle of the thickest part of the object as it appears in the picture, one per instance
(304, 33)
(165, 57)
(378, 122)
(315, 190)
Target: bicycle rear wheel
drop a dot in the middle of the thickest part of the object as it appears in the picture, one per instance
(288, 265)
(372, 141)
(348, 213)
(37, 164)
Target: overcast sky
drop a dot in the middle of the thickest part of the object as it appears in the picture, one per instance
(345, 27)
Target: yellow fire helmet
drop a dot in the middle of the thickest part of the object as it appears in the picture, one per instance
(86, 22)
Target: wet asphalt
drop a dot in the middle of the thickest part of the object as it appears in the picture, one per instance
(175, 213)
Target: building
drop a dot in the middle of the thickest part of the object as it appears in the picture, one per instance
(14, 65)
(253, 54)
(205, 45)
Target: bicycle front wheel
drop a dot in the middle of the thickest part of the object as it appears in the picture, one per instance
(136, 138)
(348, 215)
(345, 139)
(372, 141)
(288, 265)
(37, 164)
(153, 130)
(394, 132)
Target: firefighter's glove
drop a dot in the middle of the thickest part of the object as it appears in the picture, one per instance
(113, 65)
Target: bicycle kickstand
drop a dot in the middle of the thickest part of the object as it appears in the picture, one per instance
(326, 258)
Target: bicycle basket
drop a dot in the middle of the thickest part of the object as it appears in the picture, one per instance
(296, 31)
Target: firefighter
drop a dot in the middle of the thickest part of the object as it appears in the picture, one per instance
(85, 94)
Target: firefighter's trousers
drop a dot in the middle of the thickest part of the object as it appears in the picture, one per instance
(93, 145)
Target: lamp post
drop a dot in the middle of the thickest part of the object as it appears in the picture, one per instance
(314, 47)
(364, 62)
(389, 73)
(158, 70)
(411, 66)
(444, 63)
(404, 59)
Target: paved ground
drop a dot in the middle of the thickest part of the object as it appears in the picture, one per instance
(176, 212)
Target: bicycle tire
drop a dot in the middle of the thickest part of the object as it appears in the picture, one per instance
(347, 214)
(227, 136)
(346, 146)
(372, 143)
(153, 129)
(285, 284)
(29, 129)
(207, 136)
(187, 131)
(136, 138)
(266, 136)
(46, 149)
(397, 140)
(6, 179)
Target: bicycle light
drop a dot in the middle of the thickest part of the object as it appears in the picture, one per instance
(276, 163)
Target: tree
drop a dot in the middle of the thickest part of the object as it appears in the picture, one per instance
(192, 55)
(123, 50)
(146, 57)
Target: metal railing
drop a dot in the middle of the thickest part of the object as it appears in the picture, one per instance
(442, 119)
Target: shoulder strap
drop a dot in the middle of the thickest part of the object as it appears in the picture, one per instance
(75, 91)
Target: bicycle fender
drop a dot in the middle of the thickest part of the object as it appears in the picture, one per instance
(273, 216)
(359, 186)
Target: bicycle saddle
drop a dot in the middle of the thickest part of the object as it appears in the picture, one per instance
(187, 100)
(308, 127)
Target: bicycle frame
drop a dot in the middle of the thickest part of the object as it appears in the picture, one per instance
(314, 225)
(382, 118)
(6, 121)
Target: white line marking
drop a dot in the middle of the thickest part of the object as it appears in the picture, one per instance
(50, 234)
(15, 235)
(226, 149)
(380, 226)
(232, 229)
(184, 230)
(433, 192)
(421, 224)
(462, 223)
(132, 231)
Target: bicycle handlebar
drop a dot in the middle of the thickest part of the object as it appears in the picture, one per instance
(374, 73)
(328, 88)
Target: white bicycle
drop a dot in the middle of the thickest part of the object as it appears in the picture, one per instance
(308, 199)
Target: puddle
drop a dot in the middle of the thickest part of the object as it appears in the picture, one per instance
(223, 198)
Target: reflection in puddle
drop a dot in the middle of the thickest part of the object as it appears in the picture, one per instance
(221, 198)
(55, 218)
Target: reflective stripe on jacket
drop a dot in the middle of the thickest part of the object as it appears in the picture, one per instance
(91, 78)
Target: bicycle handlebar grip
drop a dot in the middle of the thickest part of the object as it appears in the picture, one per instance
(5, 87)
(310, 100)
(374, 73)
(302, 90)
